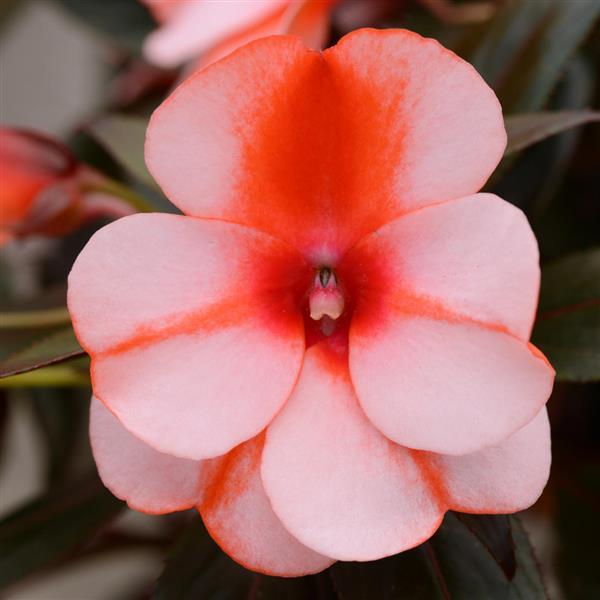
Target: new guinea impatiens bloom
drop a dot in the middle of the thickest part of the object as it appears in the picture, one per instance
(207, 30)
(45, 190)
(330, 349)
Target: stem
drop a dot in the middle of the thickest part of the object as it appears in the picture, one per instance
(34, 318)
(47, 377)
(115, 188)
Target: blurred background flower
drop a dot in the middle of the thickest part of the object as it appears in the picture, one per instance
(46, 191)
(204, 31)
(76, 71)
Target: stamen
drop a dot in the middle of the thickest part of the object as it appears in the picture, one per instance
(325, 275)
(326, 299)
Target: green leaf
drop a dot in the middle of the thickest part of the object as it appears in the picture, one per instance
(126, 21)
(15, 340)
(525, 130)
(577, 525)
(469, 571)
(528, 581)
(312, 587)
(46, 530)
(33, 339)
(62, 418)
(534, 181)
(57, 376)
(522, 51)
(567, 329)
(407, 576)
(197, 568)
(456, 563)
(55, 347)
(123, 137)
(470, 557)
(494, 533)
(30, 319)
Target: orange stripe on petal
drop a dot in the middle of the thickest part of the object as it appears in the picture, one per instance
(193, 326)
(321, 148)
(224, 314)
(239, 517)
(431, 308)
(434, 476)
(475, 257)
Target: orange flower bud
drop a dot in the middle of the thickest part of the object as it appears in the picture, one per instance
(44, 189)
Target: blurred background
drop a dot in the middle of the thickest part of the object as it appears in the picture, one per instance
(77, 71)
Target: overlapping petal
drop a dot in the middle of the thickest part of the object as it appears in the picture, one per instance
(438, 342)
(230, 494)
(239, 516)
(146, 479)
(227, 490)
(192, 327)
(418, 125)
(451, 387)
(336, 483)
(345, 490)
(501, 479)
(322, 148)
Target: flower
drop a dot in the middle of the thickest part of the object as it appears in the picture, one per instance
(330, 349)
(45, 190)
(211, 30)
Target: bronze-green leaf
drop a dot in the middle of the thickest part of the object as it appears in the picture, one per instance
(527, 129)
(48, 528)
(123, 136)
(55, 347)
(567, 329)
(523, 50)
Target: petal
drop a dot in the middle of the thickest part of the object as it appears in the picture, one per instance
(147, 480)
(444, 385)
(421, 125)
(335, 482)
(194, 27)
(320, 149)
(502, 479)
(194, 336)
(238, 515)
(476, 256)
(225, 144)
